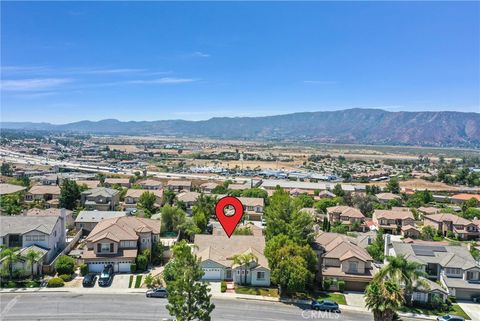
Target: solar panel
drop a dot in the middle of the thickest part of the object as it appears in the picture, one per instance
(425, 250)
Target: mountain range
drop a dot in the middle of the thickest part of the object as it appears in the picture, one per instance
(357, 126)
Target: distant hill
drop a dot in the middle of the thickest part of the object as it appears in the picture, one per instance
(361, 126)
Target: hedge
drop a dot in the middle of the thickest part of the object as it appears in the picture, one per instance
(223, 286)
(66, 277)
(84, 269)
(55, 283)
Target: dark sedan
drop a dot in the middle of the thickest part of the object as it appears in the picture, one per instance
(89, 280)
(106, 277)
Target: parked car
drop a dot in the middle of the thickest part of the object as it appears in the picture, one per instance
(325, 305)
(157, 293)
(89, 280)
(106, 277)
(450, 317)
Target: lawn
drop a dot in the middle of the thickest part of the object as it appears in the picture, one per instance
(333, 296)
(271, 292)
(138, 281)
(130, 281)
(455, 309)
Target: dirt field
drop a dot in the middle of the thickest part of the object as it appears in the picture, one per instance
(422, 184)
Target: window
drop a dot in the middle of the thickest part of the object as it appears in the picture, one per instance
(105, 247)
(353, 267)
(260, 275)
(454, 270)
(28, 238)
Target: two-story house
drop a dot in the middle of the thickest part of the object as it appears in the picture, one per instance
(453, 266)
(179, 185)
(385, 198)
(346, 215)
(46, 232)
(100, 199)
(188, 198)
(133, 195)
(459, 226)
(208, 187)
(341, 259)
(47, 193)
(216, 253)
(253, 207)
(87, 220)
(392, 221)
(118, 241)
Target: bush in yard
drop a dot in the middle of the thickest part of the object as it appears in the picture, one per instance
(133, 267)
(223, 286)
(326, 284)
(55, 283)
(65, 265)
(83, 269)
(66, 277)
(142, 262)
(341, 285)
(148, 280)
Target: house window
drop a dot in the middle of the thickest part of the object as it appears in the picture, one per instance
(28, 238)
(260, 275)
(105, 247)
(454, 271)
(353, 267)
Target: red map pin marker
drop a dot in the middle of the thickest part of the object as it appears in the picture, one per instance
(229, 222)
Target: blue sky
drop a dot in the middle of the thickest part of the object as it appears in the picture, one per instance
(64, 62)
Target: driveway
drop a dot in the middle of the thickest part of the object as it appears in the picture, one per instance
(215, 288)
(120, 281)
(472, 309)
(356, 299)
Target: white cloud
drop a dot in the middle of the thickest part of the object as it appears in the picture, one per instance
(32, 84)
(200, 54)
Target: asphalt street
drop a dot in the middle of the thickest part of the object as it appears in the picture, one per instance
(107, 307)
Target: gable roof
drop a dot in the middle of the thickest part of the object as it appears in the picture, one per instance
(345, 211)
(394, 214)
(124, 228)
(23, 224)
(44, 189)
(101, 191)
(179, 183)
(339, 246)
(138, 192)
(447, 217)
(97, 216)
(387, 196)
(10, 189)
(46, 212)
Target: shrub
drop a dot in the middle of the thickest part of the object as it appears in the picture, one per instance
(83, 269)
(65, 265)
(341, 285)
(55, 283)
(10, 285)
(223, 286)
(148, 280)
(133, 267)
(326, 284)
(138, 281)
(450, 235)
(66, 277)
(142, 262)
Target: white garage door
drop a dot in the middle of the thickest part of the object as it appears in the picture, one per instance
(212, 274)
(96, 267)
(124, 267)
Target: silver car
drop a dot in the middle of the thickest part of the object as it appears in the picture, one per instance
(449, 317)
(157, 293)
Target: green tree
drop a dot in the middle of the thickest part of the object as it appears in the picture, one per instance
(205, 204)
(338, 190)
(11, 204)
(470, 213)
(256, 192)
(168, 197)
(325, 203)
(340, 228)
(32, 257)
(147, 201)
(188, 299)
(6, 169)
(244, 260)
(375, 249)
(383, 299)
(393, 185)
(172, 218)
(428, 233)
(304, 200)
(10, 257)
(65, 265)
(69, 194)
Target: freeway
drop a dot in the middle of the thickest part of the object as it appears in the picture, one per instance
(116, 307)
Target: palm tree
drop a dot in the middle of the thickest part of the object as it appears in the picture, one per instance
(404, 272)
(383, 298)
(32, 256)
(243, 260)
(10, 257)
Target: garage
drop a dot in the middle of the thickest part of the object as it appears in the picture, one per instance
(355, 286)
(212, 274)
(97, 267)
(124, 267)
(466, 294)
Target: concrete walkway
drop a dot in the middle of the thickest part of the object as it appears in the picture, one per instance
(356, 299)
(470, 308)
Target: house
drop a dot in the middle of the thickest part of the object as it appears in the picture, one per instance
(391, 221)
(88, 183)
(44, 193)
(253, 207)
(124, 182)
(150, 184)
(410, 231)
(87, 220)
(6, 189)
(132, 196)
(428, 293)
(428, 210)
(341, 259)
(459, 226)
(188, 198)
(326, 194)
(460, 198)
(69, 220)
(216, 254)
(100, 199)
(178, 185)
(384, 198)
(46, 232)
(453, 266)
(208, 187)
(118, 241)
(22, 263)
(239, 187)
(346, 215)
